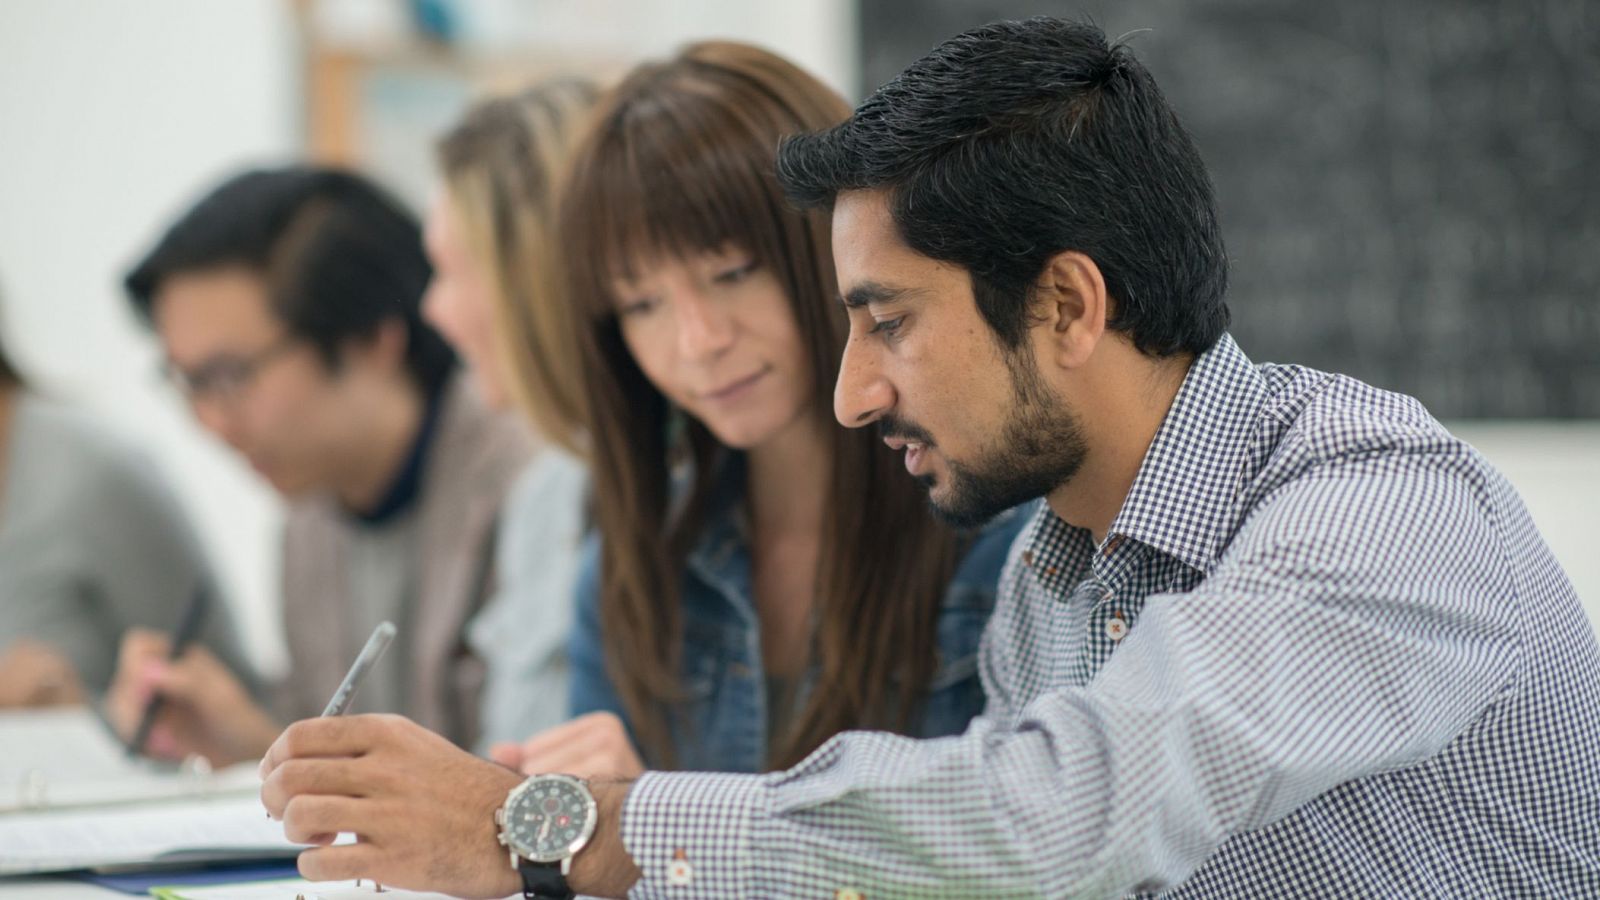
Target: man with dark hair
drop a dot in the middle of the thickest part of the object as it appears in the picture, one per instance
(1276, 632)
(288, 304)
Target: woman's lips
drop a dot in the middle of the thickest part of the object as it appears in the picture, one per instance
(734, 390)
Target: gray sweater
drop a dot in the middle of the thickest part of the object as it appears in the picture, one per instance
(93, 542)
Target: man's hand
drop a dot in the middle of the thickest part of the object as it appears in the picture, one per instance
(591, 746)
(36, 674)
(422, 810)
(206, 710)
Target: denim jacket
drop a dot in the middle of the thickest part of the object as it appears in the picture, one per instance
(724, 725)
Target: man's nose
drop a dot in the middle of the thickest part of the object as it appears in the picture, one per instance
(862, 394)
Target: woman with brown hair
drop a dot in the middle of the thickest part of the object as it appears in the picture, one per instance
(762, 578)
(496, 295)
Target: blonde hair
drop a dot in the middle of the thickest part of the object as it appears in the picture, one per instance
(501, 165)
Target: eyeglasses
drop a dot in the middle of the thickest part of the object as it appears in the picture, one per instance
(223, 379)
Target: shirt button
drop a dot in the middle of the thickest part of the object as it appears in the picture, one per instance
(1116, 628)
(1027, 558)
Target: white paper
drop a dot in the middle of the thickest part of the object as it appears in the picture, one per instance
(57, 840)
(294, 888)
(65, 757)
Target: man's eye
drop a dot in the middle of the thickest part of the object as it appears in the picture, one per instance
(219, 376)
(888, 326)
(737, 273)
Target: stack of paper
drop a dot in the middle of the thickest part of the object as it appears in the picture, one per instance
(51, 759)
(71, 799)
(293, 889)
(167, 833)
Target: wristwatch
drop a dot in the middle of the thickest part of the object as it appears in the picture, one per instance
(545, 821)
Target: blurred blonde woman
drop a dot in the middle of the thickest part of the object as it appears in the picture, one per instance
(497, 297)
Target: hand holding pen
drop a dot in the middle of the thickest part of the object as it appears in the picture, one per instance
(205, 709)
(188, 630)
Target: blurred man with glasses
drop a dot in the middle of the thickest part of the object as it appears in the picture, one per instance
(287, 303)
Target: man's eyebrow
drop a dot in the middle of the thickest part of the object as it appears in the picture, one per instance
(875, 292)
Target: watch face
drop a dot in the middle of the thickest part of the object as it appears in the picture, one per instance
(550, 818)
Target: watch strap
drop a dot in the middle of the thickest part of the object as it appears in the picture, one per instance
(543, 880)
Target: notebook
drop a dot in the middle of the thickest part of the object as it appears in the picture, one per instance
(161, 833)
(71, 799)
(292, 889)
(56, 758)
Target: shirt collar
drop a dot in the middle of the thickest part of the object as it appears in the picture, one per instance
(1182, 498)
(407, 483)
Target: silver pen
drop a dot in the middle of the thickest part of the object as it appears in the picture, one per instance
(379, 642)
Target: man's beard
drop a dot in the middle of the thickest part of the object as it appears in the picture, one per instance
(1040, 447)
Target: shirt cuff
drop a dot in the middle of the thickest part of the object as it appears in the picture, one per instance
(688, 832)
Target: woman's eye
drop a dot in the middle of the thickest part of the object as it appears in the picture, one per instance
(737, 273)
(636, 307)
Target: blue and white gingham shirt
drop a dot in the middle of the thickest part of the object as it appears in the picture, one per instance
(1322, 652)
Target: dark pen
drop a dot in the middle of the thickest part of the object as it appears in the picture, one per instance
(188, 630)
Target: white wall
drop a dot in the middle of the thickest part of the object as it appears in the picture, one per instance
(111, 116)
(1556, 468)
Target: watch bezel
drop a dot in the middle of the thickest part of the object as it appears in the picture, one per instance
(590, 820)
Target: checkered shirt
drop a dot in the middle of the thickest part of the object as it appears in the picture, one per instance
(1322, 652)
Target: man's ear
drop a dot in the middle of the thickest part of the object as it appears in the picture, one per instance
(384, 348)
(1070, 308)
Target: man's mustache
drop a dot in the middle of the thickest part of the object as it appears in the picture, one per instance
(891, 427)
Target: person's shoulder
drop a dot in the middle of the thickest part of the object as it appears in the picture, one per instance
(81, 458)
(476, 444)
(1326, 428)
(553, 475)
(69, 435)
(1325, 418)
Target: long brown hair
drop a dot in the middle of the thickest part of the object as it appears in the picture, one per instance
(679, 160)
(500, 166)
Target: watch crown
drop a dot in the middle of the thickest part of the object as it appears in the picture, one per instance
(501, 838)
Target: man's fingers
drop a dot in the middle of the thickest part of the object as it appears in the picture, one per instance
(139, 648)
(340, 863)
(144, 643)
(195, 678)
(324, 736)
(301, 777)
(318, 818)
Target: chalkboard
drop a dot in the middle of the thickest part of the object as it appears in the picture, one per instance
(1410, 189)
